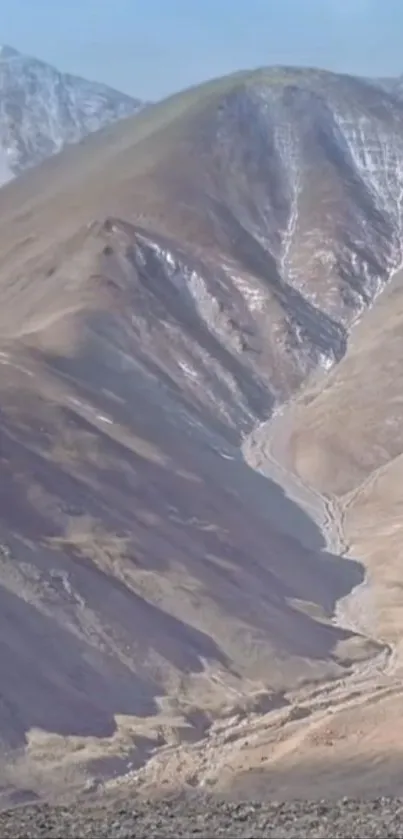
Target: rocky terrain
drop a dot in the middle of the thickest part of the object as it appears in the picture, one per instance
(180, 295)
(347, 819)
(43, 110)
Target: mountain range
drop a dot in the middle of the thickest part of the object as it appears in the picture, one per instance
(200, 440)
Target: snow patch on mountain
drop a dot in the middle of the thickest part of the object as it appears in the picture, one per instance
(6, 173)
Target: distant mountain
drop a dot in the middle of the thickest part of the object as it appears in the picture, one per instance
(393, 85)
(42, 110)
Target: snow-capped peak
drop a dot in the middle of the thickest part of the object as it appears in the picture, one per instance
(42, 110)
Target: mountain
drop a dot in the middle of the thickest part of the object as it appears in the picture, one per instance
(167, 285)
(43, 110)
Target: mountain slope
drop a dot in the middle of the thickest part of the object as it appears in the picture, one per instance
(164, 287)
(348, 441)
(42, 110)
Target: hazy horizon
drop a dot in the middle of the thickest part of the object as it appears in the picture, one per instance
(153, 49)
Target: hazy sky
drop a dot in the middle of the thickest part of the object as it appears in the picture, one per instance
(153, 47)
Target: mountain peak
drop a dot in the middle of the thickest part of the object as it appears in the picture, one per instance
(8, 52)
(43, 110)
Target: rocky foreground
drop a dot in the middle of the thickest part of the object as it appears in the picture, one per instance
(382, 817)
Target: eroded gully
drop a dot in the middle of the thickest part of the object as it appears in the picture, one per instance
(266, 450)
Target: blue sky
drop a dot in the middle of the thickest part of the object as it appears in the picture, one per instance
(151, 48)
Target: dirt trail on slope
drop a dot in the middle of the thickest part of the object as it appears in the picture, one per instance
(266, 450)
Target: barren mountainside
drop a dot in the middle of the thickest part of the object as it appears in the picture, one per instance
(165, 287)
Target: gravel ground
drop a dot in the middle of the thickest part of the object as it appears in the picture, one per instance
(346, 819)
